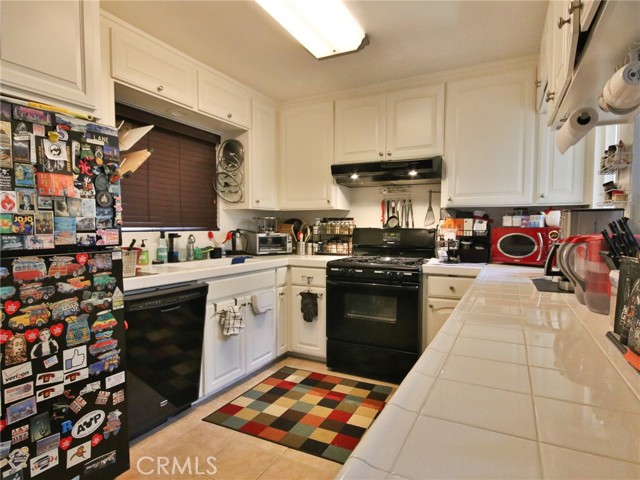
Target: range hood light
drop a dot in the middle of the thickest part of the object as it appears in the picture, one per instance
(409, 172)
(354, 176)
(412, 173)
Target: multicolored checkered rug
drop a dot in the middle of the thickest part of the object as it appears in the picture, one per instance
(320, 414)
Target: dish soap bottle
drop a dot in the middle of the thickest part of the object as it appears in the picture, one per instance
(143, 259)
(162, 252)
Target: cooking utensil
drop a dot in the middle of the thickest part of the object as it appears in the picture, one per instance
(382, 207)
(411, 213)
(392, 221)
(430, 217)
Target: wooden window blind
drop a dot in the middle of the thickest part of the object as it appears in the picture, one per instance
(173, 189)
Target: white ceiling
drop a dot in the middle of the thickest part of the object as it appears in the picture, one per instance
(407, 38)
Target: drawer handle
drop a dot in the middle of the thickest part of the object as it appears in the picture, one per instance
(160, 88)
(431, 305)
(229, 115)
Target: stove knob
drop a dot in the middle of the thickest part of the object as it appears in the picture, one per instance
(351, 272)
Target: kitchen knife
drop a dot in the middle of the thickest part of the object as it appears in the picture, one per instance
(382, 219)
(614, 253)
(619, 238)
(631, 239)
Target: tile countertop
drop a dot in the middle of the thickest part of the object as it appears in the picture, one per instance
(172, 273)
(517, 384)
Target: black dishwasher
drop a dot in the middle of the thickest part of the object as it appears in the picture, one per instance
(165, 327)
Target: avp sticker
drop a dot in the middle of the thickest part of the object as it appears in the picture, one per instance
(88, 424)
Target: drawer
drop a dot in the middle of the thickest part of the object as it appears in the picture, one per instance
(238, 285)
(449, 287)
(301, 276)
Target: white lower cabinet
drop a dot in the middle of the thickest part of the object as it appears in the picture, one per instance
(227, 358)
(308, 338)
(282, 312)
(442, 296)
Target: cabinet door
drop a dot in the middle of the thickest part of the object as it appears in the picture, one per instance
(281, 321)
(438, 311)
(224, 99)
(223, 357)
(563, 28)
(143, 63)
(360, 130)
(260, 333)
(51, 50)
(560, 176)
(490, 138)
(308, 337)
(306, 148)
(415, 123)
(262, 175)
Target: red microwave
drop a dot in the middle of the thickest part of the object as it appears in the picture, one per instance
(522, 246)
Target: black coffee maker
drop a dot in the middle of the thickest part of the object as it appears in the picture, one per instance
(174, 250)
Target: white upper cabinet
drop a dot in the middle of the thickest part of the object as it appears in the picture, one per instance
(396, 126)
(306, 153)
(562, 30)
(263, 191)
(560, 176)
(143, 63)
(50, 52)
(490, 140)
(224, 99)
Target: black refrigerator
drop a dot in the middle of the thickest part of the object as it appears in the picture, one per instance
(62, 341)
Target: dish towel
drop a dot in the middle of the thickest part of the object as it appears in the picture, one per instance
(309, 306)
(231, 320)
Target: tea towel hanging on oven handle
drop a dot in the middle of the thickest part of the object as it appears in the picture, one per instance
(309, 305)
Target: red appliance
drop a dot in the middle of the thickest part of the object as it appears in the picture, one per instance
(522, 246)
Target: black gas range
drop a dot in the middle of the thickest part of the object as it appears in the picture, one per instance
(374, 309)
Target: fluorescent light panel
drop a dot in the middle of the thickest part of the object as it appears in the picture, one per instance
(324, 27)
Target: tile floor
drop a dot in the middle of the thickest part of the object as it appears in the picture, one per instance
(189, 448)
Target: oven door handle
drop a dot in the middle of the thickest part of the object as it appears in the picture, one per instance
(404, 287)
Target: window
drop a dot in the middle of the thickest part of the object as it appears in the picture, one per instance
(173, 189)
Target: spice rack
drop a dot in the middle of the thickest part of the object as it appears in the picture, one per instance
(332, 236)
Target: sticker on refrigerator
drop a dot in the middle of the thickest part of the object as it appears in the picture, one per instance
(45, 203)
(88, 424)
(44, 462)
(78, 454)
(76, 376)
(22, 409)
(22, 150)
(15, 350)
(100, 462)
(118, 397)
(12, 242)
(6, 221)
(44, 223)
(13, 374)
(49, 392)
(39, 242)
(48, 443)
(5, 156)
(24, 175)
(23, 223)
(18, 392)
(8, 200)
(108, 237)
(114, 380)
(26, 199)
(75, 358)
(6, 178)
(54, 184)
(32, 115)
(64, 230)
(17, 459)
(20, 434)
(49, 378)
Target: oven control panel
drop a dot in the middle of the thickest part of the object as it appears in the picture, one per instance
(354, 273)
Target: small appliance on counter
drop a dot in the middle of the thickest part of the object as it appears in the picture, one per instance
(269, 243)
(522, 246)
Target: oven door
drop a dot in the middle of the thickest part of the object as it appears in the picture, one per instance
(374, 314)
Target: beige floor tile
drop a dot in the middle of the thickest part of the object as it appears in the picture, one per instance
(287, 469)
(242, 461)
(311, 460)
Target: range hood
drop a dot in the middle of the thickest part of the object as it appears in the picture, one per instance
(410, 172)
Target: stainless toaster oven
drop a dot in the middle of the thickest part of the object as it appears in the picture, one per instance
(269, 243)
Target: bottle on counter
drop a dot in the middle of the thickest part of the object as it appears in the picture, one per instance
(143, 259)
(162, 252)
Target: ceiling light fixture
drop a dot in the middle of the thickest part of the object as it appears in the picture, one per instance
(324, 27)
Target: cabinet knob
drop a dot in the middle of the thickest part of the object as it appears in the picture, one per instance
(160, 88)
(449, 199)
(542, 195)
(575, 5)
(388, 154)
(431, 305)
(328, 202)
(452, 288)
(550, 96)
(563, 21)
(538, 83)
(257, 201)
(229, 115)
(380, 154)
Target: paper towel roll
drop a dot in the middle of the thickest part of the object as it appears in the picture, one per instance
(576, 127)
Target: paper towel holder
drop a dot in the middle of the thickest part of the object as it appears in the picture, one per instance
(621, 93)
